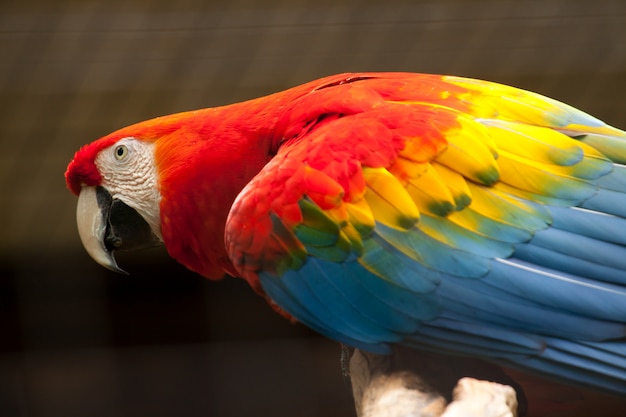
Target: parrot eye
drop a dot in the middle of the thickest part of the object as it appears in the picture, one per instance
(120, 152)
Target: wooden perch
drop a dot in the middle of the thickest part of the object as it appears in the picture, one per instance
(474, 398)
(412, 384)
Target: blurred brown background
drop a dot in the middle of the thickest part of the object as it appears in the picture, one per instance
(76, 340)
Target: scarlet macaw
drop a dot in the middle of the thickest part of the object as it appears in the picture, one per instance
(449, 214)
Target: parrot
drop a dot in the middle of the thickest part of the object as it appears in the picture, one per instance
(434, 212)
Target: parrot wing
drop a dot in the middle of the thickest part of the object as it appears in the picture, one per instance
(448, 214)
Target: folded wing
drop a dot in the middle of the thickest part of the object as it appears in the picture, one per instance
(449, 214)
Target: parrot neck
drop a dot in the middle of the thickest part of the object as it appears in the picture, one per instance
(203, 165)
(205, 158)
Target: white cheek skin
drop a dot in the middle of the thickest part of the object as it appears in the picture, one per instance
(133, 179)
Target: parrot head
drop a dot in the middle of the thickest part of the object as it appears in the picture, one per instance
(118, 198)
(147, 184)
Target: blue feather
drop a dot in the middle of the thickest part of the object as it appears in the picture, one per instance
(560, 291)
(607, 201)
(442, 340)
(481, 302)
(615, 181)
(350, 300)
(600, 356)
(490, 336)
(275, 289)
(490, 228)
(582, 247)
(589, 223)
(558, 261)
(338, 280)
(331, 311)
(433, 254)
(461, 238)
(562, 368)
(386, 262)
(582, 366)
(360, 284)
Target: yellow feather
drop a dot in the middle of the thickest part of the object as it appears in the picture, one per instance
(456, 184)
(497, 215)
(603, 129)
(360, 215)
(388, 200)
(543, 179)
(472, 131)
(470, 157)
(540, 144)
(430, 193)
(501, 207)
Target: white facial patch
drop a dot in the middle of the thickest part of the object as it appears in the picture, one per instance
(129, 174)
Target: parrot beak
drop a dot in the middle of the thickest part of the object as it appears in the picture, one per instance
(106, 225)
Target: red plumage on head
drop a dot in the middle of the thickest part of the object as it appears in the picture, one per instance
(82, 170)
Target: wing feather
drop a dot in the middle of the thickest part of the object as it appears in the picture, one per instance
(446, 213)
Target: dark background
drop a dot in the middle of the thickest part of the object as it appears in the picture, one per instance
(76, 340)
